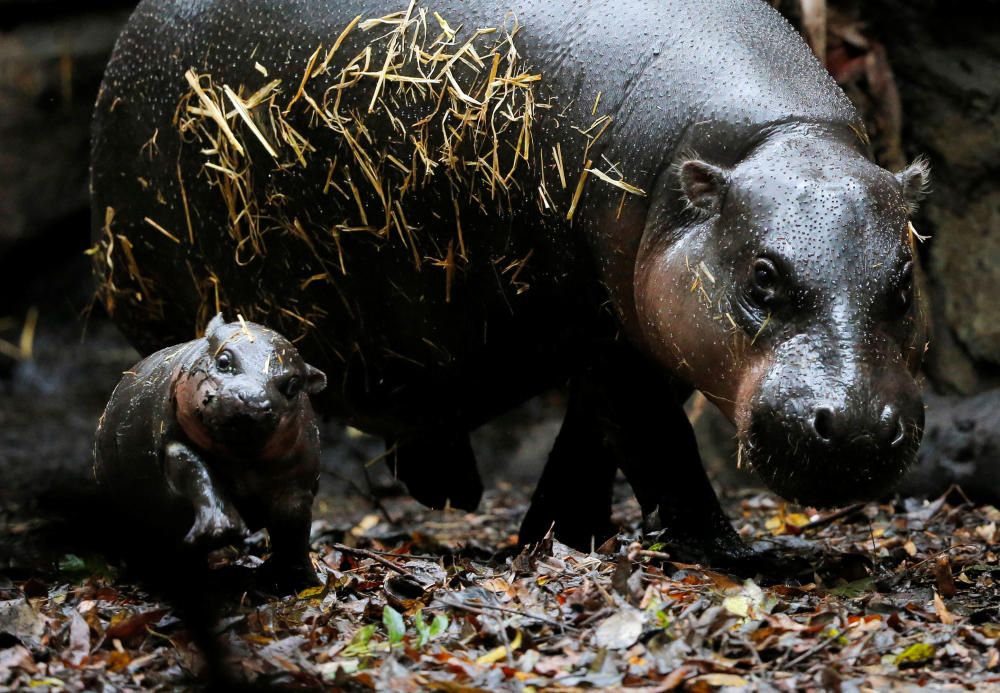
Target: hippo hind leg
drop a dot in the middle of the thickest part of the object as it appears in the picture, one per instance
(439, 469)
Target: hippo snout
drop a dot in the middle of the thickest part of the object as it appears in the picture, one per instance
(244, 417)
(254, 404)
(831, 450)
(840, 427)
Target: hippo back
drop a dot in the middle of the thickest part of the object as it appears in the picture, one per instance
(453, 287)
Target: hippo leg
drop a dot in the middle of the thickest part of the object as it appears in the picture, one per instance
(439, 469)
(216, 521)
(624, 414)
(574, 492)
(657, 451)
(288, 524)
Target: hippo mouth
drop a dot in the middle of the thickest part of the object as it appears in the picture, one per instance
(810, 473)
(245, 431)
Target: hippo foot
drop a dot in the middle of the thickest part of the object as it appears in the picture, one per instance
(719, 546)
(215, 528)
(768, 565)
(581, 532)
(286, 577)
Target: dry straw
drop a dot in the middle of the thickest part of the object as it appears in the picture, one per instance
(449, 103)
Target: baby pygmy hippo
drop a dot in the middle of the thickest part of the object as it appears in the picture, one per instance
(206, 439)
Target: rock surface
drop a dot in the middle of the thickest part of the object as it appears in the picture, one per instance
(946, 58)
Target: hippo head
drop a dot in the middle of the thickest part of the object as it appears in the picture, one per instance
(785, 293)
(245, 392)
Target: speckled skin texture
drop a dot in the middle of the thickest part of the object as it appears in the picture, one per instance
(210, 438)
(766, 266)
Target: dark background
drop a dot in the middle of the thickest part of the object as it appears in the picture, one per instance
(926, 75)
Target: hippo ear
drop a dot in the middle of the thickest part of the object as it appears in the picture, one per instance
(315, 380)
(214, 324)
(915, 180)
(702, 184)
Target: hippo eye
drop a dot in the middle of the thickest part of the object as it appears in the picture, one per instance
(224, 362)
(764, 279)
(292, 387)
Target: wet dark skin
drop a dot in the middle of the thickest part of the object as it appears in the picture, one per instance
(206, 440)
(768, 265)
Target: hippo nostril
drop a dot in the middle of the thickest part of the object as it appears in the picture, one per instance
(823, 423)
(255, 403)
(891, 429)
(900, 435)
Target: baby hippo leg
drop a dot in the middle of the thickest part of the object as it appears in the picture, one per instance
(216, 521)
(288, 523)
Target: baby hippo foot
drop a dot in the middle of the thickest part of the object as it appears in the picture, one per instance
(214, 528)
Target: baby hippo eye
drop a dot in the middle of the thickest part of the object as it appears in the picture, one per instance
(291, 387)
(764, 279)
(224, 361)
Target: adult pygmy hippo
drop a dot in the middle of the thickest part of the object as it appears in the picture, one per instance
(216, 436)
(454, 205)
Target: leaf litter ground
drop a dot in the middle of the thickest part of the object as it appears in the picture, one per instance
(900, 595)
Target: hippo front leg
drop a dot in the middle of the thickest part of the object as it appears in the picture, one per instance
(655, 446)
(289, 518)
(216, 520)
(573, 496)
(625, 414)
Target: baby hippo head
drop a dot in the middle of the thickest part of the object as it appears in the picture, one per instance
(246, 391)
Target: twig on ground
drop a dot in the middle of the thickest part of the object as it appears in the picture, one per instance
(374, 556)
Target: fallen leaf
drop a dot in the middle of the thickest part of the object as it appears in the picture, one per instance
(620, 630)
(134, 626)
(20, 621)
(498, 653)
(16, 657)
(945, 616)
(719, 680)
(915, 655)
(943, 577)
(79, 638)
(987, 532)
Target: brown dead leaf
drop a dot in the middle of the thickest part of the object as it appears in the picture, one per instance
(987, 532)
(16, 657)
(945, 616)
(135, 626)
(943, 577)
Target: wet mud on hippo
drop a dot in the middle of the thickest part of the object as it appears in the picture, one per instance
(453, 206)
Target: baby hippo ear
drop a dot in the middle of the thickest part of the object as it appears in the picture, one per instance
(915, 180)
(315, 380)
(214, 324)
(702, 184)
